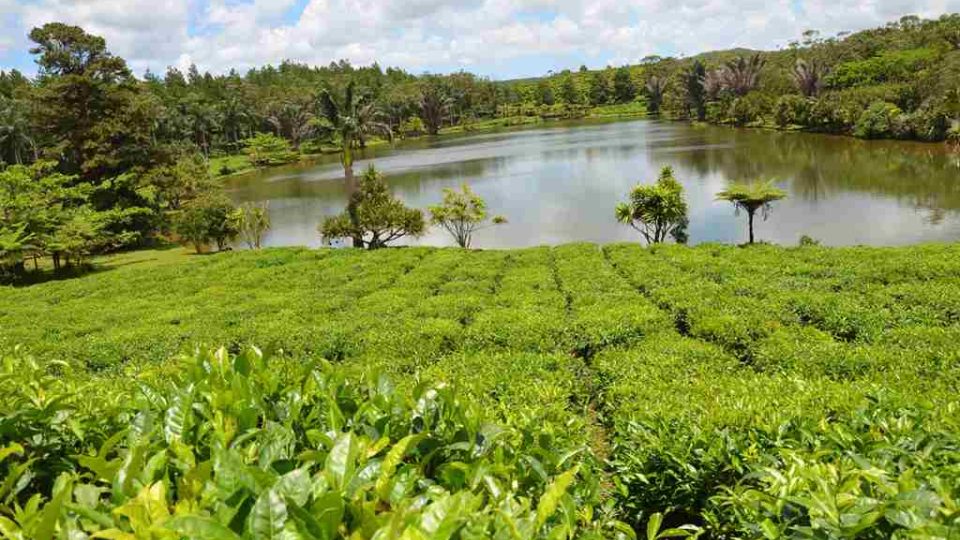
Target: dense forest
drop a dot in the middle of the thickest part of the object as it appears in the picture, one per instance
(98, 159)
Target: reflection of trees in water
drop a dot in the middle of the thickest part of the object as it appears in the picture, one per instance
(817, 166)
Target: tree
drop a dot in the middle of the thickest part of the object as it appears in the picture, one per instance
(252, 222)
(266, 149)
(186, 179)
(206, 220)
(712, 84)
(696, 95)
(292, 120)
(95, 118)
(808, 76)
(742, 74)
(434, 103)
(599, 89)
(17, 143)
(545, 93)
(568, 91)
(381, 218)
(623, 88)
(462, 213)
(344, 114)
(655, 87)
(656, 210)
(752, 197)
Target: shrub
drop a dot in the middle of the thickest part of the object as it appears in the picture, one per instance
(877, 122)
(207, 219)
(266, 149)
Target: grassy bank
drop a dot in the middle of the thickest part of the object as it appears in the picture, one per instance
(747, 391)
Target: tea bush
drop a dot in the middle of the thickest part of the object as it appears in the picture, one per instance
(586, 391)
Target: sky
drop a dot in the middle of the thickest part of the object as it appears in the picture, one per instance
(501, 39)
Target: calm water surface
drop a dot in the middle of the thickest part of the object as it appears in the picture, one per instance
(561, 183)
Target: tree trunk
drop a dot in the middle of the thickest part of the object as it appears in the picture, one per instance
(750, 221)
(352, 189)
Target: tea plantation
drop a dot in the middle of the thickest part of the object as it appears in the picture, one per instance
(576, 391)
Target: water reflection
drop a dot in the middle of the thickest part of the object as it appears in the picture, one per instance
(560, 184)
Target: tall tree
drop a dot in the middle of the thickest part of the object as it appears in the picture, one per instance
(655, 88)
(599, 89)
(742, 74)
(695, 93)
(343, 112)
(17, 144)
(89, 107)
(623, 88)
(808, 76)
(568, 90)
(434, 103)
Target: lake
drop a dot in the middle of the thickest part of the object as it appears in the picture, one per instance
(561, 183)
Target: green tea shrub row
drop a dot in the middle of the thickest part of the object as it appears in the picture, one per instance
(240, 446)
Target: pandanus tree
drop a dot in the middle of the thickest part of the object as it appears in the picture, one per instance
(742, 74)
(463, 213)
(808, 76)
(657, 210)
(752, 198)
(349, 118)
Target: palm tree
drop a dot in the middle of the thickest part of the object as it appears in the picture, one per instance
(752, 197)
(434, 103)
(350, 117)
(712, 83)
(742, 75)
(808, 77)
(656, 87)
(15, 139)
(291, 119)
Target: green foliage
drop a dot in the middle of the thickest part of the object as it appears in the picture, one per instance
(207, 219)
(809, 392)
(656, 210)
(877, 121)
(378, 217)
(215, 445)
(462, 213)
(251, 221)
(889, 66)
(264, 149)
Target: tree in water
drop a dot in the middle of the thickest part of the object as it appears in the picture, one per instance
(657, 210)
(381, 218)
(463, 213)
(752, 197)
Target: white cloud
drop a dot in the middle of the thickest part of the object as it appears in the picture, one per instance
(443, 34)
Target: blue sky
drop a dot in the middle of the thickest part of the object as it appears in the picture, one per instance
(498, 38)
